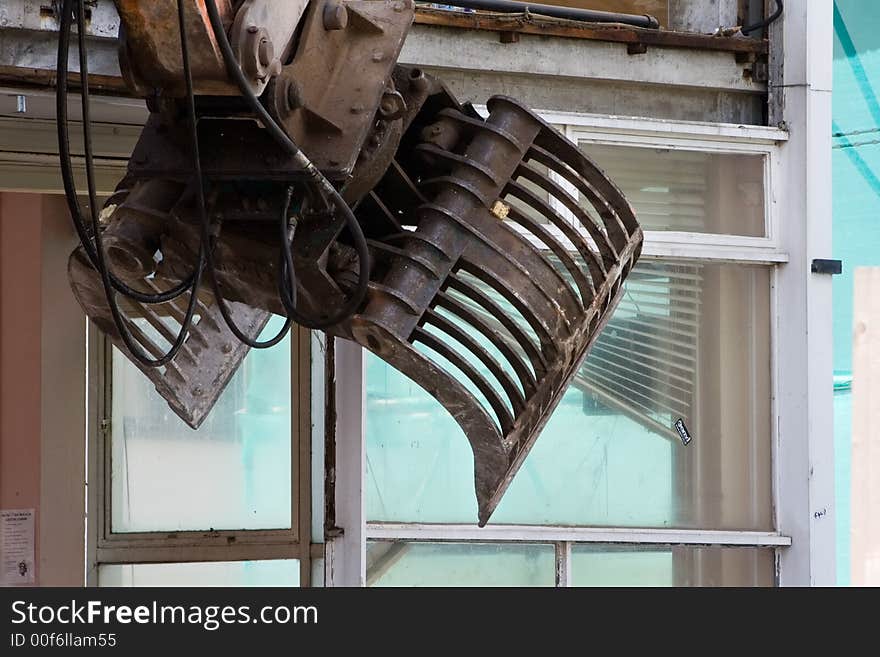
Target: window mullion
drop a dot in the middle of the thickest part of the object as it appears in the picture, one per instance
(563, 564)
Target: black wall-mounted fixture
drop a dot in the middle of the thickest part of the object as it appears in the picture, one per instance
(832, 267)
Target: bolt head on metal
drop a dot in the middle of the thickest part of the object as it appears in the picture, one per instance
(378, 56)
(335, 16)
(266, 52)
(294, 95)
(357, 108)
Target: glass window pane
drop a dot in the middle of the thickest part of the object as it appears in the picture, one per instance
(690, 191)
(459, 564)
(690, 342)
(608, 565)
(233, 473)
(282, 572)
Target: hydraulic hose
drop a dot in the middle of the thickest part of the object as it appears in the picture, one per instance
(570, 13)
(67, 177)
(764, 23)
(202, 206)
(100, 263)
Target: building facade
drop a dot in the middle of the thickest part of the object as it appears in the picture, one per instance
(322, 465)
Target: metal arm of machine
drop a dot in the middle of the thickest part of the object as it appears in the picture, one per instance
(261, 31)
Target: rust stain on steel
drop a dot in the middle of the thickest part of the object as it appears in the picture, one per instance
(150, 47)
(545, 26)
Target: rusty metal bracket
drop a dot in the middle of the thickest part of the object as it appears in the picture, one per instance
(326, 98)
(261, 31)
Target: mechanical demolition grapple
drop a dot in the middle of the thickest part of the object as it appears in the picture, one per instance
(496, 249)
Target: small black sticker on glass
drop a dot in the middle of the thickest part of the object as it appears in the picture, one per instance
(683, 432)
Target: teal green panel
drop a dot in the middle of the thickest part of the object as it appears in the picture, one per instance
(863, 23)
(856, 238)
(856, 225)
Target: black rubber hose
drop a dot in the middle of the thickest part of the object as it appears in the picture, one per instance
(766, 22)
(286, 270)
(328, 191)
(202, 206)
(67, 177)
(132, 346)
(570, 13)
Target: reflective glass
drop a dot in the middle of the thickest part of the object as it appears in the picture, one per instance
(233, 473)
(689, 342)
(459, 564)
(608, 565)
(690, 191)
(283, 572)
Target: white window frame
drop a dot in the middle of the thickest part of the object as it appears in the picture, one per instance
(709, 138)
(105, 547)
(773, 251)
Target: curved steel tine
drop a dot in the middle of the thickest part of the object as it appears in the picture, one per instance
(535, 355)
(597, 232)
(496, 327)
(597, 268)
(548, 321)
(583, 283)
(514, 394)
(586, 168)
(537, 279)
(526, 380)
(501, 411)
(616, 230)
(454, 158)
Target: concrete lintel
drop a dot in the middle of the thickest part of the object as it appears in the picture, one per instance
(450, 48)
(40, 15)
(38, 49)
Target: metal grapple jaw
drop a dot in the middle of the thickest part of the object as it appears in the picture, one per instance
(498, 253)
(493, 296)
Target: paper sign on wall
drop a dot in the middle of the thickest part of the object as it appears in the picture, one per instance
(16, 546)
